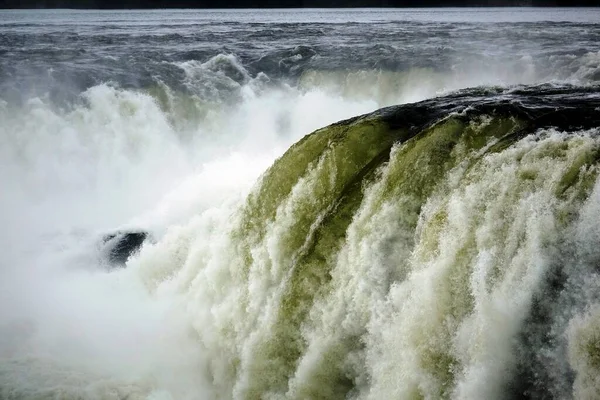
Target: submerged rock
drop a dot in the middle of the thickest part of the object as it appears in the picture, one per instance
(119, 246)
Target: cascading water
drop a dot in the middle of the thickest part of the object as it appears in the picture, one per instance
(441, 249)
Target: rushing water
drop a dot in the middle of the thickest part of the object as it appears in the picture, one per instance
(443, 250)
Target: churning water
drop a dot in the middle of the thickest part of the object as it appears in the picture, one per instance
(442, 250)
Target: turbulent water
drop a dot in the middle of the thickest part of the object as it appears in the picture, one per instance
(442, 249)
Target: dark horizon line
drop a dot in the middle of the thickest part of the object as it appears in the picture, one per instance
(307, 8)
(285, 4)
(357, 7)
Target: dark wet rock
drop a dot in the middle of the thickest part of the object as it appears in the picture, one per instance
(119, 246)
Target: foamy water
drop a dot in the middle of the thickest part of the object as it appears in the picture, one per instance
(170, 133)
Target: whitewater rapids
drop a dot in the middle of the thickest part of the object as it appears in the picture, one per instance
(442, 249)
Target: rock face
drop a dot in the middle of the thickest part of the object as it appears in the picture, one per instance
(119, 246)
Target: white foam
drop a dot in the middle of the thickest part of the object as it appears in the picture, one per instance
(118, 161)
(183, 321)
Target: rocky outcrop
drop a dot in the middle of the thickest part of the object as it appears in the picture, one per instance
(119, 246)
